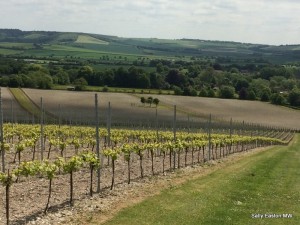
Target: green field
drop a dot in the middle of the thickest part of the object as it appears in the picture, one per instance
(90, 40)
(4, 51)
(263, 184)
(93, 46)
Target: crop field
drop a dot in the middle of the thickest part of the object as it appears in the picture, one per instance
(5, 51)
(90, 40)
(16, 45)
(12, 110)
(126, 107)
(250, 111)
(80, 106)
(31, 152)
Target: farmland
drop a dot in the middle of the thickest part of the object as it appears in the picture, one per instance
(136, 153)
(139, 47)
(126, 107)
(234, 194)
(141, 142)
(80, 106)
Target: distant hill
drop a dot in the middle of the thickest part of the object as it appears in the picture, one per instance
(36, 43)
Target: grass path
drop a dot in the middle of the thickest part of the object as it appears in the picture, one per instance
(25, 101)
(27, 104)
(261, 184)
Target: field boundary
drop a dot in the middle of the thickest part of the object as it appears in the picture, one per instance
(28, 105)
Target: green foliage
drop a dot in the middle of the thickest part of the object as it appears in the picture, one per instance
(243, 94)
(91, 159)
(189, 91)
(113, 153)
(74, 164)
(278, 99)
(156, 101)
(203, 93)
(251, 95)
(294, 97)
(149, 100)
(6, 179)
(265, 95)
(177, 90)
(126, 149)
(31, 168)
(226, 92)
(49, 169)
(105, 89)
(211, 93)
(80, 84)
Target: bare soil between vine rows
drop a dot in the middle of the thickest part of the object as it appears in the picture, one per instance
(29, 195)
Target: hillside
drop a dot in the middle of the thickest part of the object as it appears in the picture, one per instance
(127, 109)
(64, 44)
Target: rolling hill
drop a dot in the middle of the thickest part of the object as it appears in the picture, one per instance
(38, 43)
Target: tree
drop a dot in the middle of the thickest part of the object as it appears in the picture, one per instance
(227, 92)
(211, 93)
(189, 91)
(277, 99)
(177, 90)
(156, 101)
(149, 100)
(175, 77)
(203, 93)
(80, 84)
(294, 97)
(143, 100)
(62, 77)
(241, 83)
(251, 95)
(243, 93)
(265, 95)
(257, 85)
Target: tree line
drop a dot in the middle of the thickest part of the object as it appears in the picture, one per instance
(278, 84)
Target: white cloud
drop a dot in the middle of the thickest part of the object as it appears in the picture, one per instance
(257, 21)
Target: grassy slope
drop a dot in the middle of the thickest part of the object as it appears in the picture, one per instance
(249, 111)
(264, 183)
(198, 108)
(24, 101)
(27, 104)
(145, 47)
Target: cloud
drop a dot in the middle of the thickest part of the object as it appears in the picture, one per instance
(258, 21)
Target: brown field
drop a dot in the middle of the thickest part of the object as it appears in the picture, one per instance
(80, 106)
(11, 108)
(126, 108)
(238, 110)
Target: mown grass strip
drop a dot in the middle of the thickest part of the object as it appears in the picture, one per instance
(31, 107)
(250, 191)
(25, 101)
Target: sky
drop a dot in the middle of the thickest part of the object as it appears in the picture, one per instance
(275, 22)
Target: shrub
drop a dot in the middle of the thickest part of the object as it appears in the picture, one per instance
(227, 92)
(105, 89)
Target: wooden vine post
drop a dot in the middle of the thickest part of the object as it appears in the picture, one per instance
(108, 124)
(97, 143)
(1, 135)
(42, 130)
(174, 136)
(209, 138)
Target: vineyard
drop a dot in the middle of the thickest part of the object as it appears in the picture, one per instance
(48, 167)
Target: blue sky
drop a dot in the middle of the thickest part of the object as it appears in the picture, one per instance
(256, 21)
